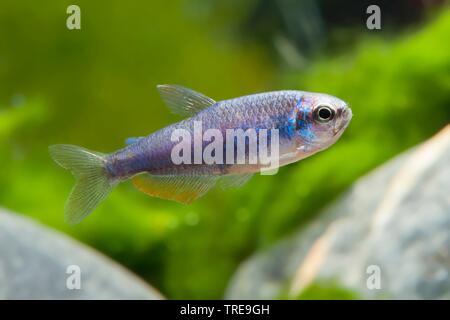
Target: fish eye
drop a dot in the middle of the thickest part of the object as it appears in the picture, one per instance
(324, 113)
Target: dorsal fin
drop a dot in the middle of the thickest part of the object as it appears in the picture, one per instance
(182, 100)
(184, 189)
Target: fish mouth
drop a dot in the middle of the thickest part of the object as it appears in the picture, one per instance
(337, 131)
(346, 116)
(341, 127)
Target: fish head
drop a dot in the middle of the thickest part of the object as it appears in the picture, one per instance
(320, 120)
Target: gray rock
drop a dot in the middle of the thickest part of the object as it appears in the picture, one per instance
(397, 219)
(34, 261)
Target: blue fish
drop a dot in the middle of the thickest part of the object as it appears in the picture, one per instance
(182, 161)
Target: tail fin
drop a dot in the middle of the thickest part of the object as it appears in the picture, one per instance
(92, 185)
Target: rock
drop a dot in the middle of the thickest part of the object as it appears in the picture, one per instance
(396, 221)
(34, 261)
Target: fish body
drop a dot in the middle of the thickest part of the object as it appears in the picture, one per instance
(299, 124)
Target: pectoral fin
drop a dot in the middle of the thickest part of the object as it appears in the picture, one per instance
(184, 189)
(184, 101)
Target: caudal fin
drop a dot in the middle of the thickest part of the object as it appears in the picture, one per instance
(92, 184)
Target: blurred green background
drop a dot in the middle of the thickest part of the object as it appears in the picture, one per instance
(96, 86)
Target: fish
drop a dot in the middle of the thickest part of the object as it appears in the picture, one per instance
(174, 163)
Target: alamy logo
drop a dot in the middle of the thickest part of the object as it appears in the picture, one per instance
(253, 147)
(73, 281)
(374, 20)
(373, 281)
(73, 21)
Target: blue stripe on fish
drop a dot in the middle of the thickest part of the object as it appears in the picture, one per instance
(132, 140)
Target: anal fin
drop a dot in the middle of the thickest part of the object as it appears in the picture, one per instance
(235, 180)
(184, 189)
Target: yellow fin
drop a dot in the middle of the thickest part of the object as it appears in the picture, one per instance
(184, 189)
